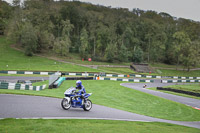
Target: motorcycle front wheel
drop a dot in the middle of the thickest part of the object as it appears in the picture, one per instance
(65, 104)
(87, 105)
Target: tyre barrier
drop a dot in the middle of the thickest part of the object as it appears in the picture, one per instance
(179, 91)
(16, 86)
(128, 80)
(180, 81)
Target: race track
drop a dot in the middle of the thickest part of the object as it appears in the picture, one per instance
(184, 100)
(23, 106)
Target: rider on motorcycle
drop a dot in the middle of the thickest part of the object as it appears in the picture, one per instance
(80, 87)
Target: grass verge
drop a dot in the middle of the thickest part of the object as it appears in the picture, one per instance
(11, 59)
(111, 94)
(188, 87)
(85, 126)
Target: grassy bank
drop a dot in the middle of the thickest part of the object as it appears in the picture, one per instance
(85, 126)
(181, 73)
(11, 59)
(111, 94)
(117, 70)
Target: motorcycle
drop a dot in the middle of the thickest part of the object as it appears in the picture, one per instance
(72, 99)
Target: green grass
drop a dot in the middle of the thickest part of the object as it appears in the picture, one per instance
(16, 60)
(169, 66)
(116, 70)
(91, 126)
(111, 94)
(75, 58)
(188, 87)
(181, 73)
(164, 65)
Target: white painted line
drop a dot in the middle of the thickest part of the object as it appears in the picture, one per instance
(85, 74)
(58, 73)
(74, 74)
(148, 76)
(28, 72)
(138, 75)
(136, 80)
(101, 78)
(43, 87)
(124, 79)
(120, 75)
(109, 75)
(164, 81)
(115, 79)
(11, 87)
(22, 87)
(30, 87)
(43, 73)
(37, 88)
(12, 72)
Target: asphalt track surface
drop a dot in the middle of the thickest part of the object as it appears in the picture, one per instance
(22, 106)
(14, 79)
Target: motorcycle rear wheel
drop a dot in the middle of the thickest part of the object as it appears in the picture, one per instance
(65, 104)
(87, 105)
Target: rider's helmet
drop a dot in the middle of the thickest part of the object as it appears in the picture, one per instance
(78, 84)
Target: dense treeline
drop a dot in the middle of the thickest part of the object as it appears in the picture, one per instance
(103, 33)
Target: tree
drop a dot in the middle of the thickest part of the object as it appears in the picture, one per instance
(151, 30)
(138, 55)
(123, 53)
(84, 43)
(110, 53)
(29, 39)
(63, 42)
(181, 43)
(5, 14)
(191, 55)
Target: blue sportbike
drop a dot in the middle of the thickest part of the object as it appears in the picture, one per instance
(74, 99)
